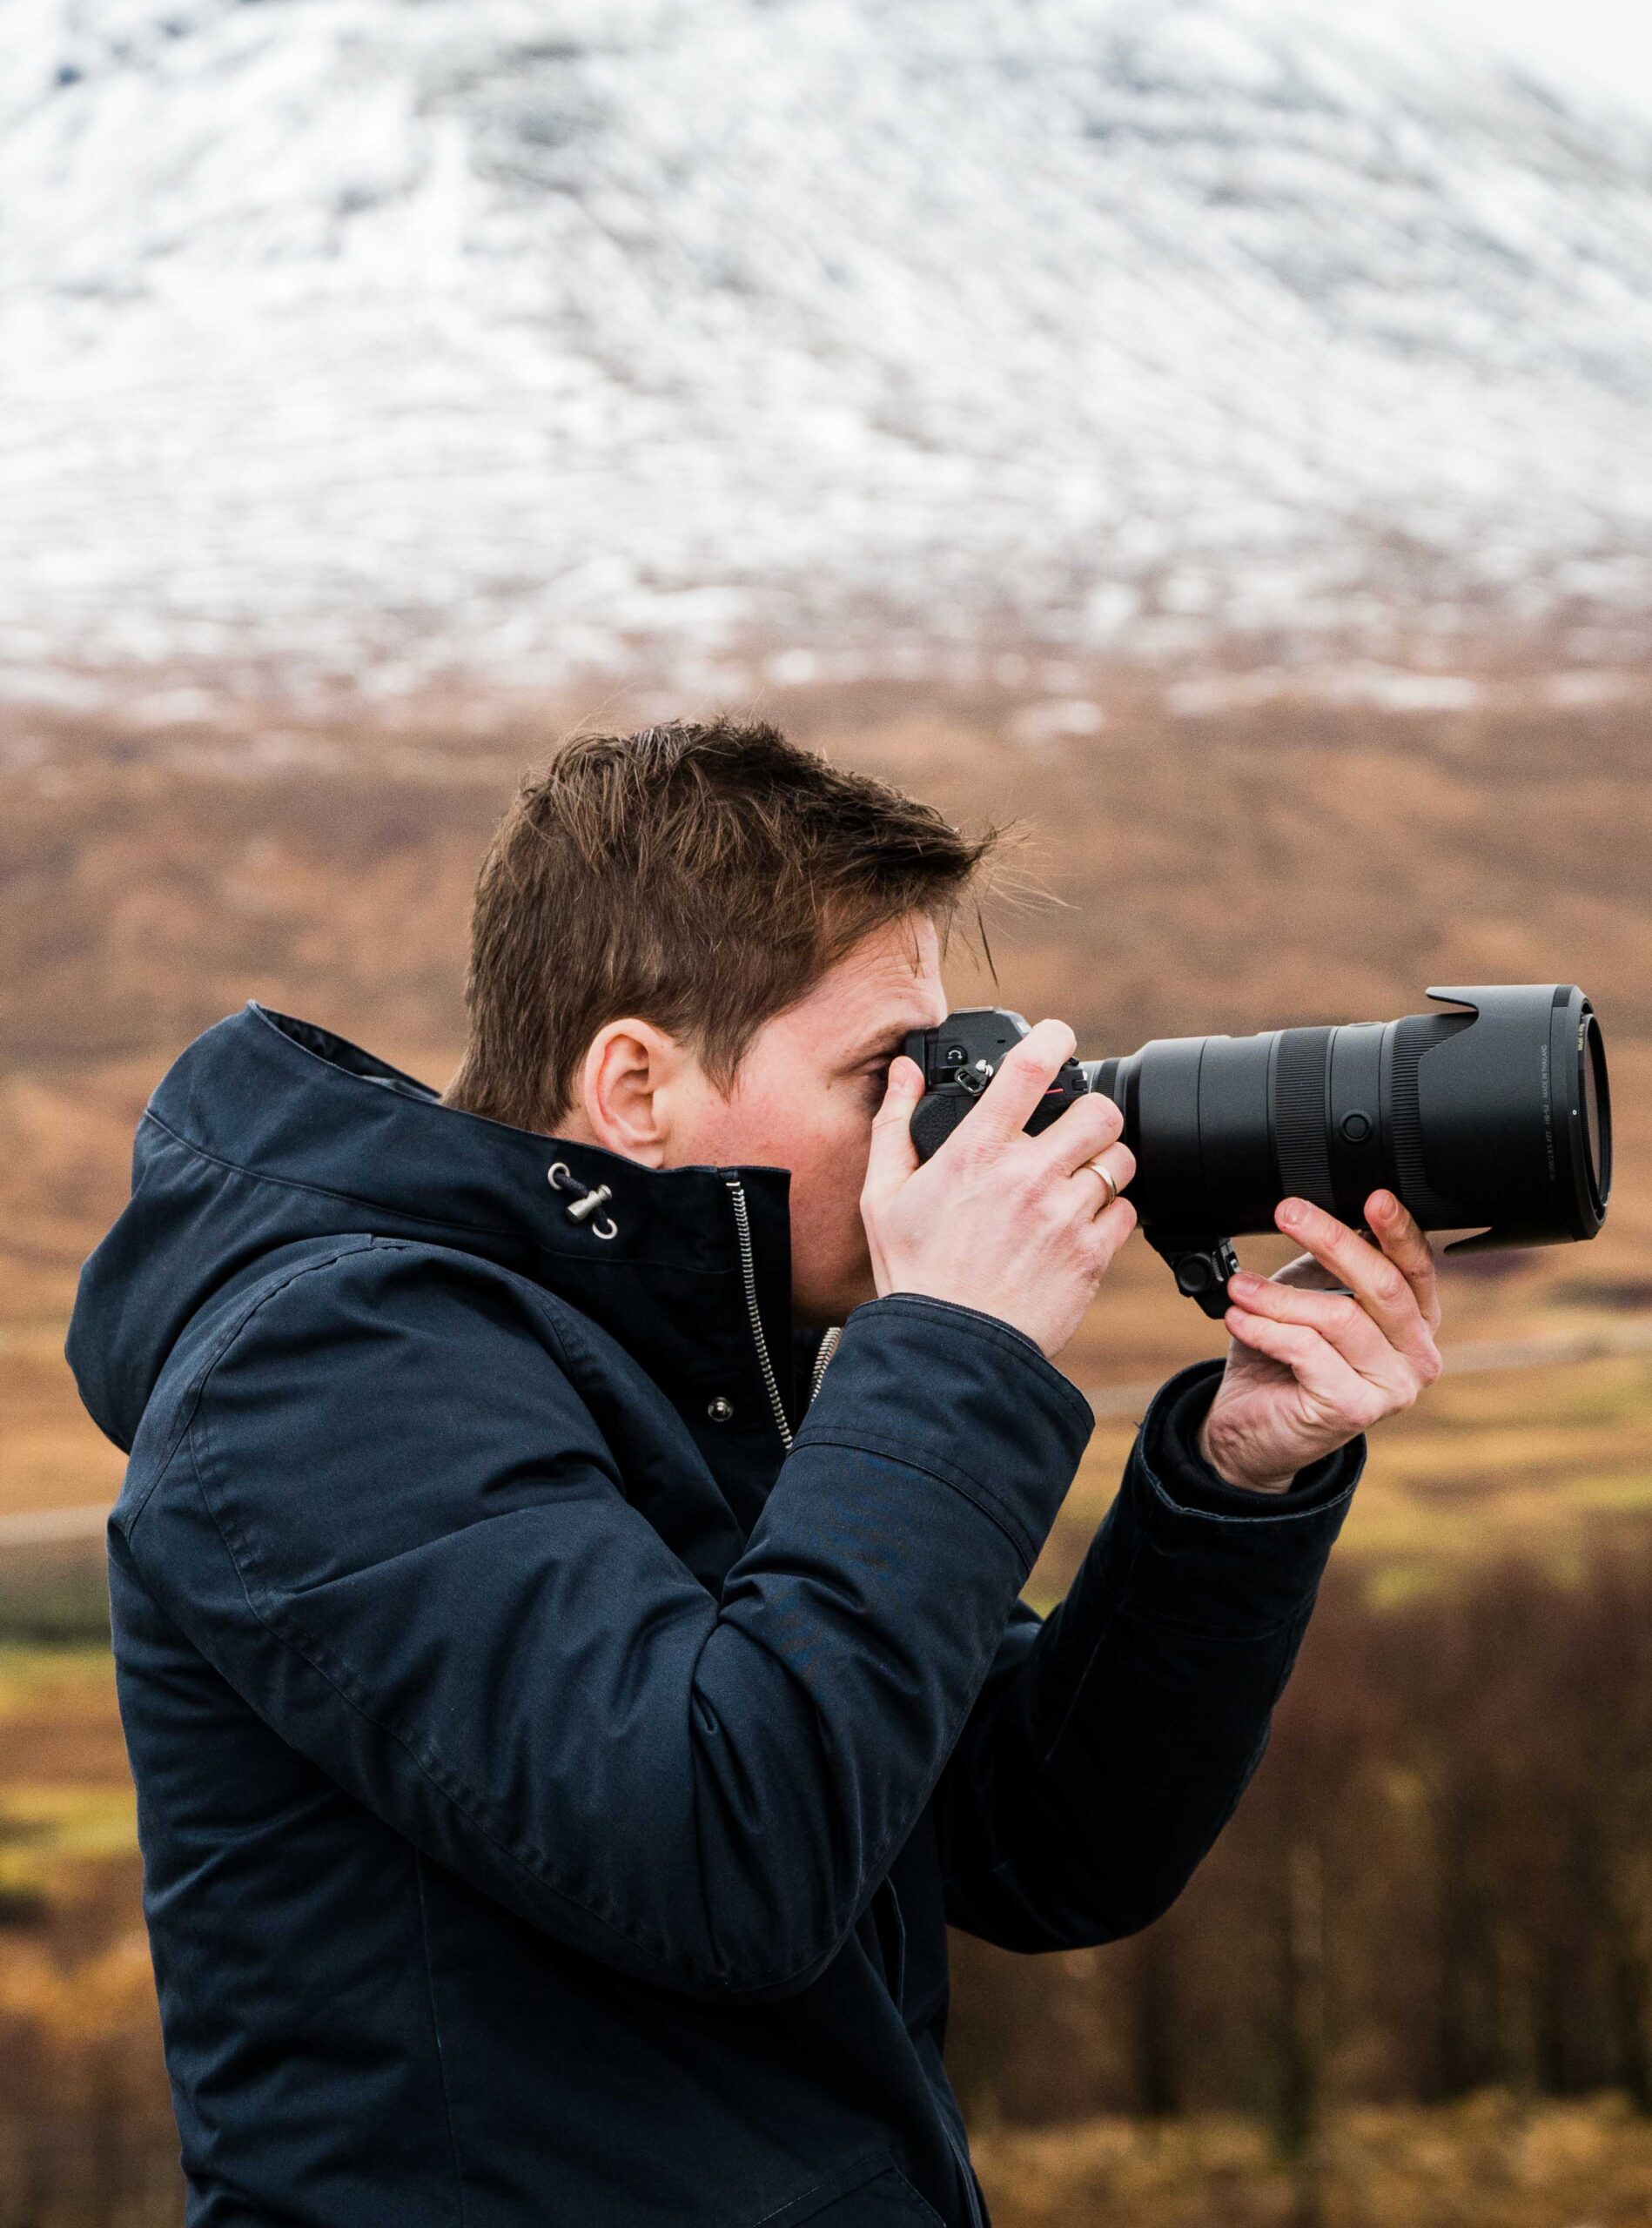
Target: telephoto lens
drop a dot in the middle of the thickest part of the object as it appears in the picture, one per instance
(1494, 1120)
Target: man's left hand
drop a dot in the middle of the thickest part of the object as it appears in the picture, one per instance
(1310, 1368)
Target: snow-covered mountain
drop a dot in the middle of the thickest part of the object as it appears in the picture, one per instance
(523, 335)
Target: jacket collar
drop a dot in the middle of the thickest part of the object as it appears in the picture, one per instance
(298, 1104)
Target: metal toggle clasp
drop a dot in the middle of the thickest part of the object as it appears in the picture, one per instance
(582, 1209)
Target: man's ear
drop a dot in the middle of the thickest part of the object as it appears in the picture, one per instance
(629, 1080)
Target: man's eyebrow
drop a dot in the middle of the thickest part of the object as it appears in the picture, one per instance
(890, 1040)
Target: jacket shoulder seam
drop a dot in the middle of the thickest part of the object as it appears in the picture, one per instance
(261, 1292)
(297, 1184)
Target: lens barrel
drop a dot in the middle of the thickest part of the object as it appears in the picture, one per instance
(1496, 1120)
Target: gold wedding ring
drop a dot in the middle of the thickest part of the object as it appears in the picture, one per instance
(1106, 1177)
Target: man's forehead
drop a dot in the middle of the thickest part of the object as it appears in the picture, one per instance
(888, 983)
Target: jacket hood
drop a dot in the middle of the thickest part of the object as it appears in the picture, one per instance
(269, 1132)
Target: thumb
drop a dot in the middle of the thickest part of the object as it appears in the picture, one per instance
(894, 1156)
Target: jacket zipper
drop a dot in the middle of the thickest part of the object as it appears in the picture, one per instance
(748, 1275)
(828, 1347)
(748, 1270)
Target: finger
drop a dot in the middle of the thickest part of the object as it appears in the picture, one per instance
(893, 1156)
(1109, 1230)
(1339, 1318)
(1081, 1132)
(1372, 1279)
(1119, 1162)
(1405, 1243)
(1324, 1377)
(1025, 1072)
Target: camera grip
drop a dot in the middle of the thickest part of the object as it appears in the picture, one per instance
(934, 1118)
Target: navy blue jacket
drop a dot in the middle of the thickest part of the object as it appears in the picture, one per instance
(553, 1791)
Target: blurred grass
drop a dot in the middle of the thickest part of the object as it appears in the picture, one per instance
(67, 1826)
(1491, 2161)
(54, 1597)
(47, 1829)
(30, 1675)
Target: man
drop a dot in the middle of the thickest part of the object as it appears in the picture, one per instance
(565, 1586)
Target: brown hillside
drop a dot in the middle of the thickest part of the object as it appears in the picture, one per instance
(1242, 868)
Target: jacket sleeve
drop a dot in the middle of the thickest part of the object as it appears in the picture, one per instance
(394, 1528)
(1113, 1740)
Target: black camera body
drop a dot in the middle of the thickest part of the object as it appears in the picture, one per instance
(961, 1058)
(1496, 1120)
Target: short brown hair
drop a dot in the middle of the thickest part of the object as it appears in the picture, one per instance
(701, 878)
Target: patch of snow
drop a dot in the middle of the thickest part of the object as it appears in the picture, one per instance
(544, 338)
(1391, 690)
(1586, 686)
(1056, 719)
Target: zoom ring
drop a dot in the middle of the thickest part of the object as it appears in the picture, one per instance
(1301, 1153)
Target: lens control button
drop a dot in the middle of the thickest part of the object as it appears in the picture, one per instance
(1356, 1127)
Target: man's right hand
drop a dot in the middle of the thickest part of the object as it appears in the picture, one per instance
(1012, 1224)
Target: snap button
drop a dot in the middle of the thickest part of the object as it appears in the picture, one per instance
(720, 1411)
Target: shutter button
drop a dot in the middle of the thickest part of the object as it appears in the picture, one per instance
(720, 1411)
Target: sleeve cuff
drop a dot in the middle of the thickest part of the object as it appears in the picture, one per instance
(1170, 1443)
(1206, 1556)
